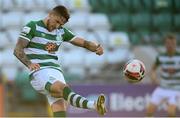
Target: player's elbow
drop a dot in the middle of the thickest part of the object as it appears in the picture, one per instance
(78, 41)
(14, 52)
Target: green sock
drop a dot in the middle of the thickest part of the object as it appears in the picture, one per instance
(59, 114)
(77, 100)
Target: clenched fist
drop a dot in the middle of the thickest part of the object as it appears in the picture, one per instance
(99, 50)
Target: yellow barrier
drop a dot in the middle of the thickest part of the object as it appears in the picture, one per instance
(1, 100)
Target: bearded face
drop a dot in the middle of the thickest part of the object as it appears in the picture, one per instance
(55, 21)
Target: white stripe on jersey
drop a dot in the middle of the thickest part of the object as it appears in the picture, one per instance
(37, 51)
(169, 59)
(166, 66)
(44, 40)
(42, 29)
(167, 81)
(46, 67)
(44, 61)
(165, 74)
(24, 37)
(73, 38)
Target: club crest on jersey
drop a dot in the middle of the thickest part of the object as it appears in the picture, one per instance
(43, 35)
(51, 47)
(26, 30)
(58, 38)
(59, 34)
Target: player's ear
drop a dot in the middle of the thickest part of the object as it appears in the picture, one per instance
(51, 14)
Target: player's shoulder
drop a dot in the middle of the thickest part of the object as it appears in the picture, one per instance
(166, 54)
(29, 27)
(32, 23)
(65, 30)
(162, 53)
(177, 53)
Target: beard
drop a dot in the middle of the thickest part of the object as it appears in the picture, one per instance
(49, 27)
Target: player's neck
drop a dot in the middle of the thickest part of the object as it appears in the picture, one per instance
(171, 53)
(45, 21)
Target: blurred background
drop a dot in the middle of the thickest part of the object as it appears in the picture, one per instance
(127, 29)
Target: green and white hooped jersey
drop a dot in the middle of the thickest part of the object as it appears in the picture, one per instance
(43, 44)
(170, 70)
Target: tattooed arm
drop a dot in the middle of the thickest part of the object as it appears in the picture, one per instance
(97, 48)
(19, 53)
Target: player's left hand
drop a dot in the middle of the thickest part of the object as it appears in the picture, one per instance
(99, 50)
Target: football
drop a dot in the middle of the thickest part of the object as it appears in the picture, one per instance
(134, 71)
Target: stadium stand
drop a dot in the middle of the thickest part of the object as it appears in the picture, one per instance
(163, 6)
(142, 21)
(177, 6)
(162, 22)
(117, 24)
(177, 21)
(98, 23)
(141, 5)
(26, 93)
(4, 43)
(120, 21)
(78, 21)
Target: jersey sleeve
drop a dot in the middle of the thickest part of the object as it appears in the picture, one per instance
(68, 35)
(28, 31)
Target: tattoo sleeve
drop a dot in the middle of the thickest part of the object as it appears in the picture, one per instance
(85, 44)
(90, 45)
(19, 51)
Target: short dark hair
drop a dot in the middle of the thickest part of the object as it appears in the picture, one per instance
(62, 10)
(170, 36)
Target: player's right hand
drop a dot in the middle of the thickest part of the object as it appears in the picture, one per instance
(34, 66)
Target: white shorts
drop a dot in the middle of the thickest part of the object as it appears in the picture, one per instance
(44, 76)
(160, 94)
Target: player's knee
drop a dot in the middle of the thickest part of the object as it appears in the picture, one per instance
(57, 87)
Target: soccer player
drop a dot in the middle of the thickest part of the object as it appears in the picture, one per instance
(169, 84)
(36, 48)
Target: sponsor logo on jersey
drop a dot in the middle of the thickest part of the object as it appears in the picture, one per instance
(51, 47)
